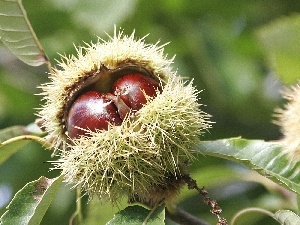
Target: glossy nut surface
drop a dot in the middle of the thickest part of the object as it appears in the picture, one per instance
(131, 89)
(91, 111)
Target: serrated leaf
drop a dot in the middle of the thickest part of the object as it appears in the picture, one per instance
(287, 217)
(14, 138)
(281, 41)
(17, 34)
(137, 215)
(30, 204)
(264, 157)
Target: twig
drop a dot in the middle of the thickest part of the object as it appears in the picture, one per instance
(215, 208)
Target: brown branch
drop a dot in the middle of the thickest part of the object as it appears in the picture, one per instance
(215, 208)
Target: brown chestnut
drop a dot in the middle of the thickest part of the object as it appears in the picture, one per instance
(132, 89)
(91, 111)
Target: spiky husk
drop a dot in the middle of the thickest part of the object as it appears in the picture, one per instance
(118, 50)
(141, 153)
(289, 121)
(140, 156)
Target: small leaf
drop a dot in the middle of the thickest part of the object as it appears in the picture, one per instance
(14, 131)
(281, 41)
(14, 138)
(137, 215)
(17, 34)
(33, 128)
(264, 157)
(11, 132)
(287, 217)
(30, 204)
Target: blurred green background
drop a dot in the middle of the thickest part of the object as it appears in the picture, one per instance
(217, 43)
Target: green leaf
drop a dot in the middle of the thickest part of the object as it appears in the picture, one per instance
(264, 157)
(30, 204)
(137, 215)
(8, 149)
(287, 217)
(14, 138)
(14, 131)
(281, 41)
(11, 132)
(102, 212)
(17, 34)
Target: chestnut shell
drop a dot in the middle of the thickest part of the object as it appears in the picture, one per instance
(104, 81)
(91, 111)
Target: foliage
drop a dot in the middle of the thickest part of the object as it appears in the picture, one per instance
(264, 157)
(17, 34)
(139, 215)
(31, 202)
(235, 53)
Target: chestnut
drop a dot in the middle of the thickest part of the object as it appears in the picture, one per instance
(106, 85)
(91, 111)
(132, 89)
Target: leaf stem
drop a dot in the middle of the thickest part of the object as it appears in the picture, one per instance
(77, 213)
(38, 139)
(42, 52)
